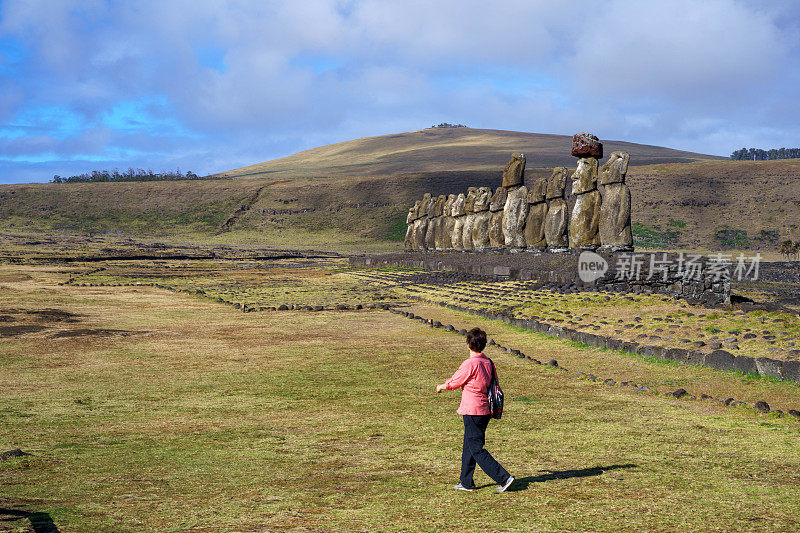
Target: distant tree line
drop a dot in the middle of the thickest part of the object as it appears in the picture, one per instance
(448, 125)
(757, 154)
(132, 174)
(789, 249)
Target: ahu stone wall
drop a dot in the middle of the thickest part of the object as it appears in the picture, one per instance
(536, 216)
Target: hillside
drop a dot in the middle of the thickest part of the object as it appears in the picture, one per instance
(707, 205)
(445, 149)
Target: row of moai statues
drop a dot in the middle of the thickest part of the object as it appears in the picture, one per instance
(534, 217)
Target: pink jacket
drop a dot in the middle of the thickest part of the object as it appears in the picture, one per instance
(473, 377)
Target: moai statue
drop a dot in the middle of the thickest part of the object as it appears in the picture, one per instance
(480, 226)
(515, 210)
(459, 219)
(421, 224)
(430, 232)
(438, 224)
(615, 210)
(408, 242)
(557, 220)
(514, 171)
(469, 207)
(448, 223)
(496, 206)
(537, 214)
(585, 219)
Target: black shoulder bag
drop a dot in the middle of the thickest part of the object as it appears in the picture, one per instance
(495, 394)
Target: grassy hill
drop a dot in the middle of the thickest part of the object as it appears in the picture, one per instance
(445, 149)
(705, 203)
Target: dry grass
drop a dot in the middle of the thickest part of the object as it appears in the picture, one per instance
(215, 420)
(443, 149)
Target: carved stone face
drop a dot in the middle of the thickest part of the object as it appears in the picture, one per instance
(448, 205)
(585, 177)
(469, 206)
(438, 209)
(411, 213)
(430, 207)
(498, 200)
(614, 170)
(514, 171)
(459, 206)
(537, 191)
(557, 183)
(482, 197)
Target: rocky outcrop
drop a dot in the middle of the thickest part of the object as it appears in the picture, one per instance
(514, 171)
(585, 218)
(557, 219)
(537, 215)
(498, 202)
(615, 210)
(514, 214)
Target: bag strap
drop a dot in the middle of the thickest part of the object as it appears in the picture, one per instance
(494, 373)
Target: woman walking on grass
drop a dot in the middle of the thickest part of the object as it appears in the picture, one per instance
(473, 377)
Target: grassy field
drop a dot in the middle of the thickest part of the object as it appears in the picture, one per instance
(147, 410)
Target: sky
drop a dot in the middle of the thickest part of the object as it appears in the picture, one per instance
(211, 85)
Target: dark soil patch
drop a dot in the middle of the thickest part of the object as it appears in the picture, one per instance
(90, 332)
(15, 331)
(53, 315)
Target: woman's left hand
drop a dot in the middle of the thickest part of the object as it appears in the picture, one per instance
(440, 388)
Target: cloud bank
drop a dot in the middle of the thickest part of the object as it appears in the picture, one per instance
(207, 86)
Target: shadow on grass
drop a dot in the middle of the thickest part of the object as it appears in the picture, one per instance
(524, 482)
(40, 522)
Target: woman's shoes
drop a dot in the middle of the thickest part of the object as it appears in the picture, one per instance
(508, 483)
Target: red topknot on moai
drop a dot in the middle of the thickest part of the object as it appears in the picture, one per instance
(585, 220)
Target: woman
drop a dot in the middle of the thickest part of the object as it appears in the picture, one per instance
(473, 377)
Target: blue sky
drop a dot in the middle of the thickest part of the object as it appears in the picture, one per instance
(208, 86)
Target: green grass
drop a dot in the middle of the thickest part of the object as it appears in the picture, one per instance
(211, 419)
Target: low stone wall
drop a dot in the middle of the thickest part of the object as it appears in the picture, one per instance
(718, 359)
(661, 273)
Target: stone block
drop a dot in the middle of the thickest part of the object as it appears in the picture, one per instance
(720, 360)
(745, 364)
(769, 367)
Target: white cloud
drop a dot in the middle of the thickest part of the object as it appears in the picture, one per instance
(297, 74)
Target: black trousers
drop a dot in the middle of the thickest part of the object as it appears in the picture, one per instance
(473, 452)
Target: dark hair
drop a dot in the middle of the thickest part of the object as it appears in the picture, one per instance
(476, 339)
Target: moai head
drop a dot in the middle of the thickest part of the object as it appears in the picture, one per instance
(498, 201)
(614, 170)
(514, 171)
(430, 207)
(460, 205)
(469, 206)
(416, 209)
(482, 198)
(585, 177)
(537, 192)
(556, 183)
(423, 205)
(448, 205)
(438, 209)
(586, 145)
(411, 213)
